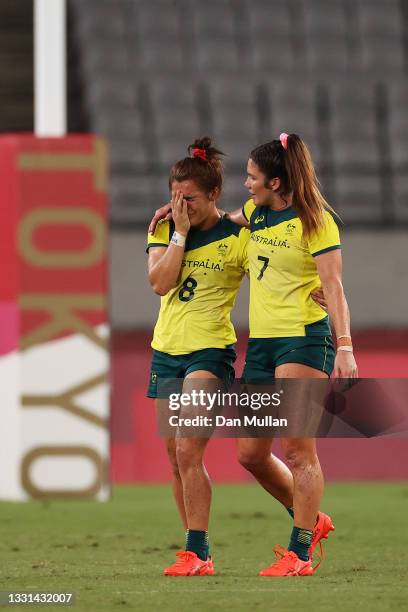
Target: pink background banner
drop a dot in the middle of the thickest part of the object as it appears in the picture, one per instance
(138, 453)
(8, 328)
(8, 250)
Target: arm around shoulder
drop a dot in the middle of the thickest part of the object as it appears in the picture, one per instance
(237, 216)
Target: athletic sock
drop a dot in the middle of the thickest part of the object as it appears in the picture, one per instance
(291, 511)
(300, 541)
(197, 542)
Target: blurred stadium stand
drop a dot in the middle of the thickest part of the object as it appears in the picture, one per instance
(17, 71)
(157, 74)
(16, 83)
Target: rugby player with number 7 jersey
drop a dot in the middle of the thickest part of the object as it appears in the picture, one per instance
(294, 247)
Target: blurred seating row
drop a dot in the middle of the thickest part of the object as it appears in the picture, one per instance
(364, 199)
(242, 35)
(354, 133)
(358, 118)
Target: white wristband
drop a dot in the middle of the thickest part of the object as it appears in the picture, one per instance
(178, 239)
(346, 349)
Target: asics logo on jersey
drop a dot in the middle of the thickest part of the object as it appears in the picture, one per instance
(259, 219)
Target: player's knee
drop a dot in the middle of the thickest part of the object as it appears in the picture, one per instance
(298, 457)
(250, 459)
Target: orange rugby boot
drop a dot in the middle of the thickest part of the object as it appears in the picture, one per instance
(188, 564)
(321, 531)
(287, 563)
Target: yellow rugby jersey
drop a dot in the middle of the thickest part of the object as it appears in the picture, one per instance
(196, 313)
(283, 272)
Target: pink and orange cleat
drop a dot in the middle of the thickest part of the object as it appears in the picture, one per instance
(321, 532)
(287, 563)
(189, 564)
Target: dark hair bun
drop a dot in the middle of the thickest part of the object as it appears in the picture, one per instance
(203, 165)
(205, 143)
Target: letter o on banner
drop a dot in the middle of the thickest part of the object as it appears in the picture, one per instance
(93, 222)
(62, 451)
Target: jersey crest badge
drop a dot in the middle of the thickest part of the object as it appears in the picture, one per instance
(222, 249)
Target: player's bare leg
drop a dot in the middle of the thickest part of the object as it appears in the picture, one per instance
(300, 454)
(255, 455)
(190, 453)
(301, 457)
(195, 481)
(195, 559)
(298, 487)
(177, 485)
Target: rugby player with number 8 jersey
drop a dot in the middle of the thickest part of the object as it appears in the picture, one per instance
(196, 263)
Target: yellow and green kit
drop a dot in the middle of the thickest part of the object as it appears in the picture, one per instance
(283, 274)
(195, 315)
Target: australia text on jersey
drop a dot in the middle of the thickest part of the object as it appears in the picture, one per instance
(270, 241)
(208, 264)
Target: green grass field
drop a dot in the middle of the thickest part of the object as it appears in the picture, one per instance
(112, 554)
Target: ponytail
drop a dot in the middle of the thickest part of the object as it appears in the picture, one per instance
(307, 197)
(289, 160)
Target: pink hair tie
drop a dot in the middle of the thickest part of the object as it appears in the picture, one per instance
(284, 140)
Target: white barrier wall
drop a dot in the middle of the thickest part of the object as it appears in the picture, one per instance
(375, 280)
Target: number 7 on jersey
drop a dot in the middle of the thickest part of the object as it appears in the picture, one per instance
(265, 265)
